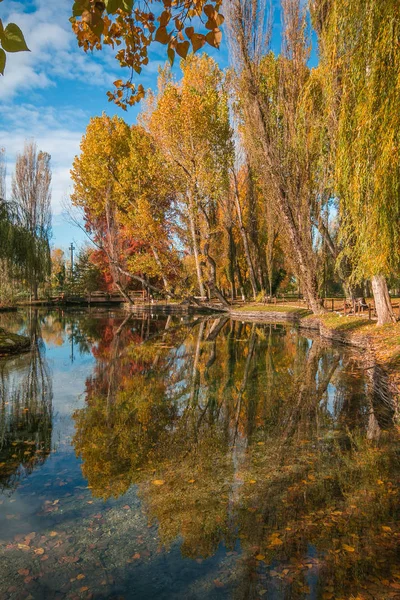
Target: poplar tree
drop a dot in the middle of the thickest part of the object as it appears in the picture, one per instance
(31, 195)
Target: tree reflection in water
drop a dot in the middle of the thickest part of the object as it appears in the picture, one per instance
(252, 437)
(25, 410)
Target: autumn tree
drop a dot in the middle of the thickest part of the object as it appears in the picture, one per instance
(197, 142)
(125, 193)
(31, 195)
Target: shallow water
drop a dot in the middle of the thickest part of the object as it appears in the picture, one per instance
(193, 458)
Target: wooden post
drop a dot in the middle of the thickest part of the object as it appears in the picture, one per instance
(369, 311)
(275, 300)
(333, 305)
(344, 307)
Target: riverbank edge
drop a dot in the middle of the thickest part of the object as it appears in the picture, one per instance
(372, 339)
(13, 343)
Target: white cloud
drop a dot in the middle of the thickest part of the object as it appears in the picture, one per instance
(54, 64)
(54, 133)
(54, 50)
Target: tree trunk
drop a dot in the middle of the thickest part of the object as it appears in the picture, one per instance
(231, 267)
(35, 290)
(243, 233)
(212, 282)
(162, 274)
(195, 247)
(383, 305)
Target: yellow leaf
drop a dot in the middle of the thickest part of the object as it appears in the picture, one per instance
(276, 542)
(182, 48)
(198, 40)
(162, 35)
(260, 557)
(39, 551)
(348, 548)
(158, 482)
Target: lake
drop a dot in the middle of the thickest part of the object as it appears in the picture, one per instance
(193, 457)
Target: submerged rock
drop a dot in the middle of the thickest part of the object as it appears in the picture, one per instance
(10, 343)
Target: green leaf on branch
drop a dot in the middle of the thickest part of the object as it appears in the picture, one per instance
(171, 56)
(113, 5)
(127, 5)
(13, 39)
(3, 60)
(78, 8)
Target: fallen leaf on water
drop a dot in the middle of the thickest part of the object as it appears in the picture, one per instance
(80, 576)
(348, 548)
(23, 546)
(218, 583)
(83, 589)
(136, 556)
(395, 586)
(39, 551)
(53, 533)
(260, 557)
(158, 482)
(276, 542)
(23, 572)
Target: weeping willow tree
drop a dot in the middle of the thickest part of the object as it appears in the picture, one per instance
(16, 248)
(18, 244)
(359, 46)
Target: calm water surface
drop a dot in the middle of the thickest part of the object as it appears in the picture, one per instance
(192, 458)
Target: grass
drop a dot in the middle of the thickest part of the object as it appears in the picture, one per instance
(272, 308)
(337, 322)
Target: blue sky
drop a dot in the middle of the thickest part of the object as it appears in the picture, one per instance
(50, 94)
